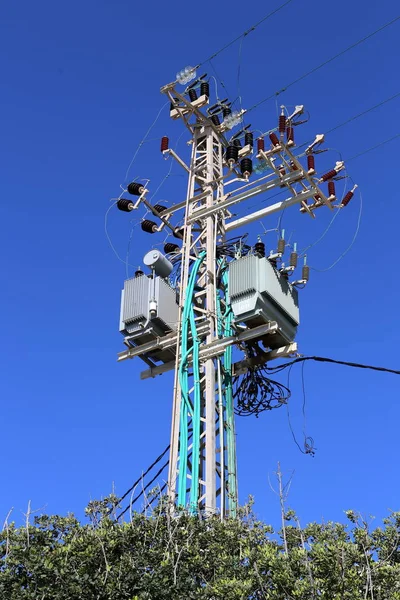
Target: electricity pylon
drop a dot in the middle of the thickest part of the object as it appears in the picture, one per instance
(202, 468)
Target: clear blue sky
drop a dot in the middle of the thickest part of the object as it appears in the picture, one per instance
(79, 88)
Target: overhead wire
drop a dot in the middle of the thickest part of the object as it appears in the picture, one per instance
(374, 147)
(245, 33)
(323, 64)
(324, 359)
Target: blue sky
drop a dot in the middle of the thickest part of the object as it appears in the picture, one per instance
(80, 87)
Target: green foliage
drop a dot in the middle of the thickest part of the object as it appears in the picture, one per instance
(163, 557)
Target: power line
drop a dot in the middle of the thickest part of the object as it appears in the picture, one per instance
(373, 147)
(361, 114)
(332, 361)
(245, 33)
(323, 64)
(364, 112)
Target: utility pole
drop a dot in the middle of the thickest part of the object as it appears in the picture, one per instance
(210, 315)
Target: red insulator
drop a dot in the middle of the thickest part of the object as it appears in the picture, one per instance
(310, 162)
(282, 124)
(274, 139)
(347, 198)
(290, 134)
(164, 143)
(317, 198)
(329, 175)
(294, 166)
(260, 144)
(282, 171)
(331, 188)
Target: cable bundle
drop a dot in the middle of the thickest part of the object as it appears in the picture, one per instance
(255, 392)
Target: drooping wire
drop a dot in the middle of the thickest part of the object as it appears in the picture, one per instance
(144, 140)
(349, 247)
(323, 64)
(308, 441)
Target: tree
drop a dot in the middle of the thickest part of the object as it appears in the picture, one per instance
(183, 557)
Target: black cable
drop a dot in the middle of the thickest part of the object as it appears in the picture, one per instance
(153, 464)
(142, 491)
(323, 64)
(332, 361)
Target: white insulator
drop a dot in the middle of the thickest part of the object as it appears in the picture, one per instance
(157, 261)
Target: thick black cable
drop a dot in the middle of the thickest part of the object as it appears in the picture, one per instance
(245, 33)
(323, 64)
(331, 361)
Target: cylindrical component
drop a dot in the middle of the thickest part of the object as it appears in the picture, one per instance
(331, 188)
(192, 95)
(294, 166)
(246, 166)
(282, 124)
(260, 144)
(159, 208)
(305, 273)
(237, 143)
(281, 245)
(282, 170)
(125, 205)
(215, 120)
(164, 143)
(329, 175)
(205, 88)
(226, 111)
(157, 261)
(310, 162)
(293, 259)
(231, 154)
(347, 198)
(290, 134)
(248, 139)
(139, 272)
(149, 226)
(170, 248)
(274, 139)
(135, 188)
(178, 233)
(259, 249)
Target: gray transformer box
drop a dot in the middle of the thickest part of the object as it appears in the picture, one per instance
(260, 294)
(149, 309)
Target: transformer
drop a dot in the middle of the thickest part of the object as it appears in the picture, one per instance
(149, 309)
(260, 294)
